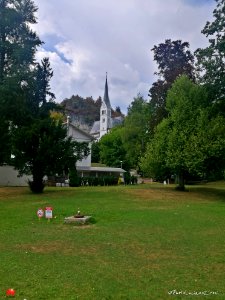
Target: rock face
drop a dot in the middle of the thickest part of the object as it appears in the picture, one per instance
(77, 220)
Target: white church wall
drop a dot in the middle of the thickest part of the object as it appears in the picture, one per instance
(80, 136)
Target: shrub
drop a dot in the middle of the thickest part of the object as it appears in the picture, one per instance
(74, 179)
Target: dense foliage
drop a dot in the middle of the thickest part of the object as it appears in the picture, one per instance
(190, 140)
(136, 130)
(112, 151)
(211, 63)
(32, 140)
(173, 59)
(18, 44)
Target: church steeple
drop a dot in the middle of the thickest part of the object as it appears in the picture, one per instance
(105, 112)
(106, 94)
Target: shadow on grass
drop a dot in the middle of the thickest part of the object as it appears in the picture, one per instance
(213, 191)
(210, 193)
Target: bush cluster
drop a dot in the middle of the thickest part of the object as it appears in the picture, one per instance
(130, 179)
(76, 180)
(94, 181)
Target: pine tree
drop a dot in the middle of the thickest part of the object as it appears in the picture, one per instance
(37, 143)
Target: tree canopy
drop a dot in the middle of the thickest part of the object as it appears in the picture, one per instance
(173, 59)
(190, 140)
(135, 132)
(18, 44)
(31, 140)
(211, 62)
(112, 150)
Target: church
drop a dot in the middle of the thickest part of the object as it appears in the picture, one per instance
(106, 121)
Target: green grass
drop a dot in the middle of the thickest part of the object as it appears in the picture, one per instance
(148, 240)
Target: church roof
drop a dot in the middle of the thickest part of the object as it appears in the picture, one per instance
(82, 132)
(106, 94)
(95, 128)
(117, 121)
(78, 132)
(100, 169)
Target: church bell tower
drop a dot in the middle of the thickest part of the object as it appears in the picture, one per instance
(105, 112)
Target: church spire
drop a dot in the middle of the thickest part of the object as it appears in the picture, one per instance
(106, 94)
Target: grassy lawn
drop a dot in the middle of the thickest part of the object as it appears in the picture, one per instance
(148, 242)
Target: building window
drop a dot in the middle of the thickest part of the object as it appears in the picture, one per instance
(103, 120)
(103, 112)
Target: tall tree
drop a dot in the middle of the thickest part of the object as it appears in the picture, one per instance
(38, 143)
(44, 149)
(173, 59)
(211, 60)
(135, 133)
(18, 44)
(184, 103)
(112, 151)
(153, 162)
(174, 148)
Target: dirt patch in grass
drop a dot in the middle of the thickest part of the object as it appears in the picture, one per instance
(157, 194)
(168, 194)
(12, 192)
(57, 247)
(68, 227)
(153, 254)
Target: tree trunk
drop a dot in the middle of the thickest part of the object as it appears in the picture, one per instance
(37, 185)
(180, 179)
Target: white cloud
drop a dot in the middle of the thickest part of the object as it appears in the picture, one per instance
(86, 38)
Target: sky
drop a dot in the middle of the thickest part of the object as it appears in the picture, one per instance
(84, 39)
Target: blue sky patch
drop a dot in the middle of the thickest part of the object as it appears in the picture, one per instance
(199, 2)
(49, 45)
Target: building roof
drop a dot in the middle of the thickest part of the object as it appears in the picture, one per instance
(117, 121)
(100, 169)
(82, 131)
(95, 128)
(106, 94)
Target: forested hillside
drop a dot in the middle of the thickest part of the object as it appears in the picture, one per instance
(85, 111)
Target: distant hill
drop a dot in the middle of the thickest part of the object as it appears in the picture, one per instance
(85, 111)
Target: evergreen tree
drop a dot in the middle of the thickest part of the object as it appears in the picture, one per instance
(18, 44)
(38, 143)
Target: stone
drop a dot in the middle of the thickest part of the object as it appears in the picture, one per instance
(77, 220)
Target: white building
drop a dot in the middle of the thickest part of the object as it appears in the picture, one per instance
(79, 135)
